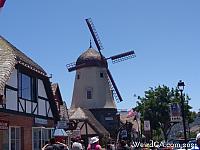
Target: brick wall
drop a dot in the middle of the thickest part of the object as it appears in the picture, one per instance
(26, 123)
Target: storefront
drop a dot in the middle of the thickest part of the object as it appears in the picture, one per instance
(41, 133)
(24, 132)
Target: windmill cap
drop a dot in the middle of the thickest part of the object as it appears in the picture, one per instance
(94, 140)
(91, 57)
(198, 136)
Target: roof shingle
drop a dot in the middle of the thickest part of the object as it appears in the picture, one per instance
(83, 114)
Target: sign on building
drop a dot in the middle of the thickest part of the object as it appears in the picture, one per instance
(4, 125)
(147, 126)
(175, 112)
(62, 124)
(76, 133)
(41, 121)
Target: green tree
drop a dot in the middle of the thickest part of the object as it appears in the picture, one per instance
(154, 106)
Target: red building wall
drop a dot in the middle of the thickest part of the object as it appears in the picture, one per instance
(26, 123)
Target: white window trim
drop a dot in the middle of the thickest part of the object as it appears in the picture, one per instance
(40, 129)
(10, 136)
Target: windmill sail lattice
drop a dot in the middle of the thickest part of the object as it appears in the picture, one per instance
(113, 88)
(71, 66)
(94, 34)
(123, 56)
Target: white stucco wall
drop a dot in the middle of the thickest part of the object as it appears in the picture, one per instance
(90, 78)
(22, 105)
(28, 106)
(50, 112)
(35, 108)
(11, 99)
(41, 107)
(41, 89)
(12, 81)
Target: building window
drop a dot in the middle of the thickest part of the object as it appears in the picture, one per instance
(27, 87)
(101, 75)
(40, 136)
(89, 93)
(15, 138)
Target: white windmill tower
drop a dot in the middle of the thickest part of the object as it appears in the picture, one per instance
(94, 86)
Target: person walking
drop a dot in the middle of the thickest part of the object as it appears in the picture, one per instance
(77, 144)
(197, 145)
(94, 144)
(123, 146)
(55, 145)
(110, 145)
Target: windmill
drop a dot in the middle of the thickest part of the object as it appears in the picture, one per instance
(115, 59)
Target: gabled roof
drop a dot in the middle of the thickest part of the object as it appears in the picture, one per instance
(56, 93)
(82, 114)
(57, 97)
(9, 57)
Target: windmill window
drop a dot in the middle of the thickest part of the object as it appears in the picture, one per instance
(101, 75)
(89, 94)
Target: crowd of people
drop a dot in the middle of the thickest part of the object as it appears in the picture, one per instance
(55, 144)
(77, 144)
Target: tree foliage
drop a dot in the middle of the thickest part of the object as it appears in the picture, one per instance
(154, 106)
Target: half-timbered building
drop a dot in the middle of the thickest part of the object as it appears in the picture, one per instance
(28, 111)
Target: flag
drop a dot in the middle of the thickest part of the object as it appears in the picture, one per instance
(2, 3)
(131, 113)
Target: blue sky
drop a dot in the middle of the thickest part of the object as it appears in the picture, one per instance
(165, 35)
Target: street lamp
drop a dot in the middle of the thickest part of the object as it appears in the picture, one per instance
(181, 88)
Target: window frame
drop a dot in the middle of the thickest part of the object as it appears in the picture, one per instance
(19, 139)
(43, 136)
(101, 75)
(32, 85)
(89, 96)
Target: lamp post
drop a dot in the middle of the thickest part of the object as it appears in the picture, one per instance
(181, 88)
(188, 124)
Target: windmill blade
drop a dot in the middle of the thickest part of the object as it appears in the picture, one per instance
(71, 66)
(122, 57)
(94, 34)
(113, 87)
